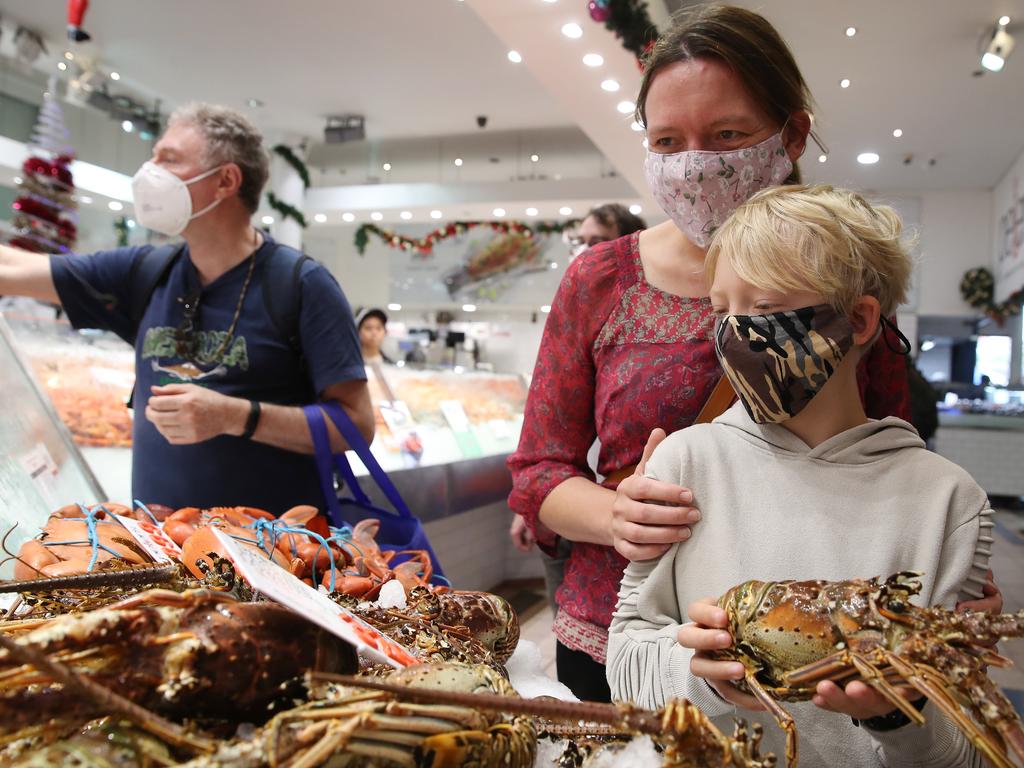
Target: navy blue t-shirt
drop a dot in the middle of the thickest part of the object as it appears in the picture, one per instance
(258, 364)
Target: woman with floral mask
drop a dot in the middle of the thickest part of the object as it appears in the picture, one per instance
(628, 344)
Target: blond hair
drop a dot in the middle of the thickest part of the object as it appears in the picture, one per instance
(830, 241)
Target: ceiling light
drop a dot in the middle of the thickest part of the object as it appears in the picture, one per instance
(927, 344)
(18, 179)
(62, 66)
(127, 126)
(394, 307)
(515, 57)
(349, 217)
(897, 133)
(387, 166)
(822, 158)
(115, 206)
(130, 223)
(71, 57)
(998, 50)
(572, 30)
(84, 199)
(636, 126)
(546, 308)
(844, 83)
(469, 307)
(534, 158)
(531, 211)
(406, 215)
(114, 76)
(320, 218)
(436, 214)
(377, 216)
(554, 265)
(1003, 21)
(458, 162)
(626, 107)
(593, 59)
(867, 158)
(499, 212)
(254, 103)
(610, 85)
(267, 220)
(646, 144)
(851, 31)
(636, 210)
(565, 210)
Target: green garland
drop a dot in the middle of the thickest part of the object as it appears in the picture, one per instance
(286, 211)
(121, 228)
(426, 244)
(631, 23)
(288, 155)
(977, 288)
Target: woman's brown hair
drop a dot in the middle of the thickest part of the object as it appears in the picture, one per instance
(748, 44)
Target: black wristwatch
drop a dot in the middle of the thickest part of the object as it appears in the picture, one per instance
(892, 721)
(253, 421)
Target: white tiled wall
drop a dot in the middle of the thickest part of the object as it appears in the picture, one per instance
(475, 551)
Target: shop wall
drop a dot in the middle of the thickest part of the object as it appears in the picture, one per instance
(1008, 231)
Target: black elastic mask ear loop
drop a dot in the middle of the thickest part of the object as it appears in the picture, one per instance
(888, 324)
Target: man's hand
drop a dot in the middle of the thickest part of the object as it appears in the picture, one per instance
(186, 414)
(649, 516)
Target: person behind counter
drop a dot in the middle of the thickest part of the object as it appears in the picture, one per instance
(796, 482)
(220, 377)
(372, 324)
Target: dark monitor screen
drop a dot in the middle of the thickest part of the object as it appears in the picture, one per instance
(454, 338)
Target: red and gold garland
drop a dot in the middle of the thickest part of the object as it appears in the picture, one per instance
(425, 245)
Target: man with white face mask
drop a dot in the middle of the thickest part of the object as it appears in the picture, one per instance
(233, 333)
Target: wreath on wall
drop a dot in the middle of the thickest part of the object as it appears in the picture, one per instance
(977, 288)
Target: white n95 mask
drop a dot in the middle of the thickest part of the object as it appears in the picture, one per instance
(162, 201)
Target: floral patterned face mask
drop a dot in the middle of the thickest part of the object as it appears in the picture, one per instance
(699, 190)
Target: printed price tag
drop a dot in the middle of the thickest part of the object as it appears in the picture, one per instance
(279, 585)
(42, 470)
(152, 539)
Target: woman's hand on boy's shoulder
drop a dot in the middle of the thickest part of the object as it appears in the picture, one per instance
(648, 515)
(706, 633)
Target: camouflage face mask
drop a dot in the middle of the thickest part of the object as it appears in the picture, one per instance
(778, 362)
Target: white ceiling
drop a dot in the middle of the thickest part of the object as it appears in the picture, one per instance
(412, 67)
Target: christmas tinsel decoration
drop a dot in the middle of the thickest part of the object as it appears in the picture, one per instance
(288, 155)
(425, 245)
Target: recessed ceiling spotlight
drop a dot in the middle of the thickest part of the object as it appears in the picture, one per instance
(387, 166)
(377, 216)
(998, 50)
(515, 57)
(626, 107)
(593, 59)
(822, 158)
(499, 212)
(394, 307)
(1003, 21)
(867, 158)
(554, 265)
(320, 218)
(127, 126)
(897, 133)
(531, 211)
(84, 199)
(646, 144)
(71, 57)
(469, 307)
(267, 220)
(844, 83)
(115, 206)
(115, 76)
(18, 180)
(349, 217)
(638, 127)
(636, 210)
(406, 215)
(610, 85)
(436, 214)
(534, 158)
(458, 162)
(131, 223)
(546, 308)
(62, 66)
(572, 30)
(565, 210)
(851, 31)
(253, 103)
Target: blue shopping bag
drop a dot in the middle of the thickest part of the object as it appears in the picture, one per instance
(400, 531)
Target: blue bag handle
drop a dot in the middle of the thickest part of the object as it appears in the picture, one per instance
(316, 416)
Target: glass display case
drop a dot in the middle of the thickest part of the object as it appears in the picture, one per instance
(41, 469)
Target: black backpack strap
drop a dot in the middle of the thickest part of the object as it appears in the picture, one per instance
(147, 271)
(282, 296)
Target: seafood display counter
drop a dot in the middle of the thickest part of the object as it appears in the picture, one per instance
(988, 445)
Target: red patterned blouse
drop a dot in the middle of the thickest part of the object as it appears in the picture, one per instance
(618, 358)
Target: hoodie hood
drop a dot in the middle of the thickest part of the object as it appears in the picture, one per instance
(862, 444)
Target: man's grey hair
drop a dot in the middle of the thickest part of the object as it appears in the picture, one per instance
(230, 138)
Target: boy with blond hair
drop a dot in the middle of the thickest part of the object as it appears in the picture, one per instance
(795, 482)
